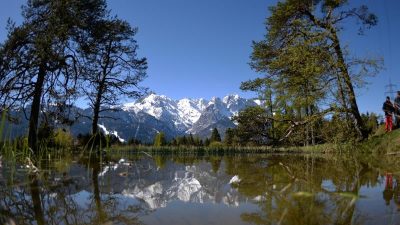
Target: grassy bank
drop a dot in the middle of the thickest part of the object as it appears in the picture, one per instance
(381, 143)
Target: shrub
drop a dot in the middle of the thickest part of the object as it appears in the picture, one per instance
(216, 144)
(63, 138)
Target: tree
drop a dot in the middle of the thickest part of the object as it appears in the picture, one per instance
(181, 140)
(306, 34)
(253, 125)
(37, 60)
(207, 142)
(215, 136)
(159, 140)
(229, 137)
(190, 140)
(112, 67)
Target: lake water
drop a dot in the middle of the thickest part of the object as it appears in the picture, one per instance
(173, 189)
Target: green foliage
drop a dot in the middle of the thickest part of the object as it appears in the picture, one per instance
(215, 137)
(216, 145)
(159, 140)
(38, 57)
(112, 66)
(308, 76)
(371, 122)
(46, 134)
(186, 141)
(134, 141)
(207, 142)
(96, 142)
(229, 137)
(254, 126)
(63, 138)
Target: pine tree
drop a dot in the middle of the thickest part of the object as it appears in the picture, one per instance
(112, 67)
(159, 140)
(229, 135)
(305, 62)
(39, 60)
(215, 137)
(174, 142)
(206, 142)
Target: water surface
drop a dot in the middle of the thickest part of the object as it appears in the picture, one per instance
(235, 189)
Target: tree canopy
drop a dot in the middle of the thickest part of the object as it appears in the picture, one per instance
(308, 74)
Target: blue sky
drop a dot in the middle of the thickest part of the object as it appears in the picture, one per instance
(201, 48)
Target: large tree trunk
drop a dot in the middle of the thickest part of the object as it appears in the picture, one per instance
(358, 122)
(35, 110)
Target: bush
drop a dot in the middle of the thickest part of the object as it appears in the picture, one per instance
(216, 144)
(99, 140)
(63, 138)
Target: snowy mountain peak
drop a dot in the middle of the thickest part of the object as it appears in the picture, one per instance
(231, 98)
(155, 113)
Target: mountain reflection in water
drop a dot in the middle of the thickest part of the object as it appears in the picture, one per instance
(238, 189)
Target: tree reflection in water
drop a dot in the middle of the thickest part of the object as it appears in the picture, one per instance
(59, 198)
(292, 189)
(286, 189)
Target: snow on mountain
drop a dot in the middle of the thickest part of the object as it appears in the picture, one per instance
(114, 133)
(234, 103)
(183, 113)
(143, 119)
(191, 109)
(197, 116)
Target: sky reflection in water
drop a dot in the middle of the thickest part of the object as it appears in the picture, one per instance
(239, 189)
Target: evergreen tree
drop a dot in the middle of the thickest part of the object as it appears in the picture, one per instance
(159, 140)
(38, 59)
(184, 140)
(191, 140)
(197, 141)
(206, 142)
(305, 62)
(215, 137)
(112, 67)
(174, 142)
(229, 136)
(253, 126)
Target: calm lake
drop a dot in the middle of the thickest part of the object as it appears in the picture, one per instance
(202, 189)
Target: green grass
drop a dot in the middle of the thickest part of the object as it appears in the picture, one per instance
(382, 142)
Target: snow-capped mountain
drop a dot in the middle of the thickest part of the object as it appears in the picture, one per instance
(182, 113)
(144, 118)
(196, 116)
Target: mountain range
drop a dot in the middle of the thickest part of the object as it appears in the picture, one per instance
(152, 114)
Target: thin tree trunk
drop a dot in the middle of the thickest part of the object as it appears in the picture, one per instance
(96, 192)
(35, 110)
(96, 110)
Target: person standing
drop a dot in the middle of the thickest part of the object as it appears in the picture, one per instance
(397, 110)
(389, 110)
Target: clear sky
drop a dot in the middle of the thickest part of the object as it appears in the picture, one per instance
(201, 48)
